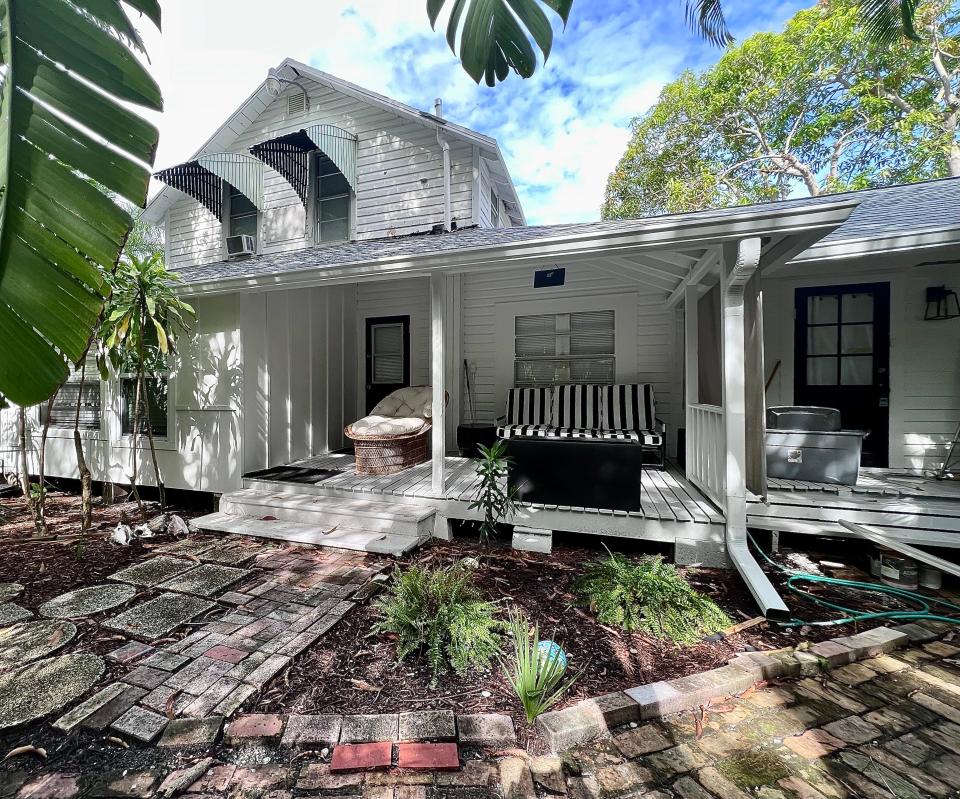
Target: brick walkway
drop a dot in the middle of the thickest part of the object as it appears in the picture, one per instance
(285, 600)
(884, 727)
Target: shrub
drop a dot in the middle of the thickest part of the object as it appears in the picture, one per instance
(493, 498)
(536, 673)
(440, 613)
(648, 595)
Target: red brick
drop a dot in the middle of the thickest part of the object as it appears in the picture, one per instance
(255, 725)
(362, 757)
(226, 653)
(437, 757)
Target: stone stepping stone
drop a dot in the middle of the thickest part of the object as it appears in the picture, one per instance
(229, 554)
(11, 614)
(151, 573)
(87, 601)
(158, 616)
(33, 639)
(37, 689)
(205, 580)
(10, 591)
(191, 546)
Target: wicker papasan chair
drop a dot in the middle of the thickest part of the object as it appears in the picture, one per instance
(396, 434)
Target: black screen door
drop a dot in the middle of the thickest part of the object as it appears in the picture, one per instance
(388, 357)
(843, 358)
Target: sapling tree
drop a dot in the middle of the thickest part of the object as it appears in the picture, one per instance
(494, 498)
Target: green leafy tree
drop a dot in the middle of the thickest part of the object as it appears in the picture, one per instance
(143, 319)
(818, 108)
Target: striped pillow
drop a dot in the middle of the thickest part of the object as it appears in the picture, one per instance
(577, 406)
(629, 406)
(528, 406)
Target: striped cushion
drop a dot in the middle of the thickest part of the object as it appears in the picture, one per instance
(528, 406)
(628, 406)
(524, 431)
(577, 406)
(573, 432)
(646, 437)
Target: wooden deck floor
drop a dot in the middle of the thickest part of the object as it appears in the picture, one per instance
(908, 507)
(670, 506)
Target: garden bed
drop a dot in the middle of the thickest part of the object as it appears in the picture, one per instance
(355, 671)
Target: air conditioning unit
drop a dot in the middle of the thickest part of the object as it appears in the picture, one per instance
(241, 246)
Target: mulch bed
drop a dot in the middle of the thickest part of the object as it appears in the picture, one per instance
(354, 671)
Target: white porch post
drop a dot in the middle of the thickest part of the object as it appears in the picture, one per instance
(438, 315)
(691, 323)
(740, 263)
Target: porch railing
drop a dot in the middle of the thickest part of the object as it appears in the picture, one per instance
(707, 450)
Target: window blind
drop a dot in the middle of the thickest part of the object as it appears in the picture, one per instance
(552, 349)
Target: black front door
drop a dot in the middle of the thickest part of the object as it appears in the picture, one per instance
(388, 357)
(843, 358)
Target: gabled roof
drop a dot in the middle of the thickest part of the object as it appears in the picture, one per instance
(254, 105)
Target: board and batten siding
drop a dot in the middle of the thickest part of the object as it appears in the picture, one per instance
(399, 181)
(653, 348)
(924, 357)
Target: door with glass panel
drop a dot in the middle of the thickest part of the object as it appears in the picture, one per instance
(388, 357)
(843, 358)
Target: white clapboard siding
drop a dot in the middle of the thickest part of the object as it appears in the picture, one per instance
(398, 298)
(399, 180)
(656, 344)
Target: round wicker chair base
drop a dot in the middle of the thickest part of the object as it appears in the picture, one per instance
(390, 455)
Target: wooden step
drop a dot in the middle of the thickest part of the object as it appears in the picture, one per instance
(411, 521)
(383, 543)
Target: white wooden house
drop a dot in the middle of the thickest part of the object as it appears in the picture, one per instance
(386, 232)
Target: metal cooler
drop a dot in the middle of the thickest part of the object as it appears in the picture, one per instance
(806, 443)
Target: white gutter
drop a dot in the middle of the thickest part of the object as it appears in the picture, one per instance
(735, 421)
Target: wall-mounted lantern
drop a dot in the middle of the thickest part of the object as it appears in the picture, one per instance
(942, 303)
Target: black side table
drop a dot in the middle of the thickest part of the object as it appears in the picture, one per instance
(470, 434)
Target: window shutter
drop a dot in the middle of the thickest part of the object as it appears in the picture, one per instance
(387, 354)
(63, 412)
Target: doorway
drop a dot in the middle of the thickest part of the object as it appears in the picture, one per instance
(387, 357)
(842, 349)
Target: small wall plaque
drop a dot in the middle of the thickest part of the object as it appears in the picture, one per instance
(543, 278)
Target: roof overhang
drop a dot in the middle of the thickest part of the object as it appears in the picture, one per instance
(661, 252)
(880, 245)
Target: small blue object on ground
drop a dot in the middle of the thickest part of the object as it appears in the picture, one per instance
(549, 651)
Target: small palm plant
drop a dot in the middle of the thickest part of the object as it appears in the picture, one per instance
(143, 318)
(494, 498)
(537, 669)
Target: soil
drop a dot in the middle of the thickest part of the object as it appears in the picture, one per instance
(354, 671)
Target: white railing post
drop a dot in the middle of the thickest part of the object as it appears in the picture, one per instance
(691, 327)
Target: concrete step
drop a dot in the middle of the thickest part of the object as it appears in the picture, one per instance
(382, 543)
(412, 521)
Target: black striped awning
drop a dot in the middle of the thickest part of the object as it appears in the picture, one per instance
(203, 179)
(290, 155)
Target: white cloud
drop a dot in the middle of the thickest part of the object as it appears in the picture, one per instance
(562, 131)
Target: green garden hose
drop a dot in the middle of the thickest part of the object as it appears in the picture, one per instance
(923, 603)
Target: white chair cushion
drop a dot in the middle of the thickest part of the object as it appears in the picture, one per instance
(377, 425)
(406, 402)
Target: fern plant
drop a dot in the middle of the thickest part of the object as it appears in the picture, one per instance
(494, 498)
(648, 595)
(535, 672)
(441, 614)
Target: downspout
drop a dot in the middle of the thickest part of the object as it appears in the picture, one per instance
(445, 147)
(734, 356)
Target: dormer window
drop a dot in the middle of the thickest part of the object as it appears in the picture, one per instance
(494, 209)
(333, 202)
(243, 216)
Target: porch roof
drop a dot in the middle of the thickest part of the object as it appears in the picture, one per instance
(664, 251)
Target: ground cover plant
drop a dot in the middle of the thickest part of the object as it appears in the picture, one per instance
(648, 595)
(441, 613)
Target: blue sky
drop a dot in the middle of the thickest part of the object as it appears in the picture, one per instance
(562, 131)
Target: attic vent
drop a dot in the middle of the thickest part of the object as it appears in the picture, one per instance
(296, 104)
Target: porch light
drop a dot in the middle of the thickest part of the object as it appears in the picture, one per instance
(275, 83)
(942, 303)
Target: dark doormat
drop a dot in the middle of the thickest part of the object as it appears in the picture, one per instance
(294, 474)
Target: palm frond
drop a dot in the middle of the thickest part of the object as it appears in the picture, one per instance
(886, 21)
(707, 18)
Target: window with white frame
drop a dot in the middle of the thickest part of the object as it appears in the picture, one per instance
(244, 216)
(332, 192)
(156, 399)
(494, 209)
(554, 349)
(79, 400)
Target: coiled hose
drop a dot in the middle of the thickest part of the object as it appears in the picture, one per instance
(851, 615)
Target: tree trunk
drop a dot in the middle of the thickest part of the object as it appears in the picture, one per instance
(133, 443)
(146, 405)
(38, 521)
(42, 458)
(86, 480)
